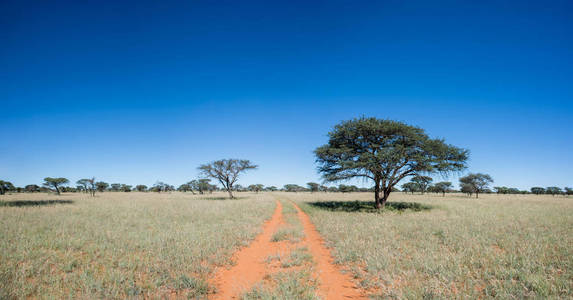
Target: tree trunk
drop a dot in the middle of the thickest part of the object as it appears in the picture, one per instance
(377, 193)
(57, 190)
(230, 193)
(385, 197)
(477, 195)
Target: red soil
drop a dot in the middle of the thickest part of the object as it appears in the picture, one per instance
(250, 267)
(333, 284)
(250, 262)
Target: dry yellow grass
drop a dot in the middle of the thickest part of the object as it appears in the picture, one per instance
(119, 245)
(506, 246)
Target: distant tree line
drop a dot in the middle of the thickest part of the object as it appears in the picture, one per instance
(473, 184)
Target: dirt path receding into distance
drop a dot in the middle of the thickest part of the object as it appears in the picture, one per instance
(333, 284)
(251, 265)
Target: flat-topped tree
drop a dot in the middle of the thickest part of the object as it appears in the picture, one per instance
(553, 190)
(442, 187)
(101, 186)
(226, 171)
(537, 190)
(313, 186)
(477, 182)
(386, 152)
(83, 183)
(55, 183)
(410, 187)
(423, 182)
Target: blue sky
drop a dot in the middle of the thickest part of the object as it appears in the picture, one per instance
(136, 92)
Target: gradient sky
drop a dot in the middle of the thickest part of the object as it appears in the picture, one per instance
(136, 92)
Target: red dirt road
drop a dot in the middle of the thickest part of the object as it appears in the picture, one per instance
(250, 262)
(333, 284)
(250, 266)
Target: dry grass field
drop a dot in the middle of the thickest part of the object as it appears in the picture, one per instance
(149, 245)
(497, 246)
(121, 245)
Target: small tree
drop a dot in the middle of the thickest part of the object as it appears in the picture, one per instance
(5, 186)
(101, 186)
(115, 187)
(553, 190)
(186, 187)
(313, 186)
(537, 190)
(141, 187)
(466, 189)
(125, 188)
(332, 189)
(386, 152)
(443, 187)
(255, 188)
(91, 186)
(478, 182)
(501, 190)
(423, 182)
(410, 187)
(227, 171)
(293, 188)
(347, 188)
(161, 187)
(83, 183)
(271, 188)
(55, 183)
(32, 188)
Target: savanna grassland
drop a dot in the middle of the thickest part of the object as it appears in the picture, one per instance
(497, 246)
(120, 245)
(151, 245)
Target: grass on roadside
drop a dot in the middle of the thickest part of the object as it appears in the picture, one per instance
(120, 245)
(512, 246)
(285, 285)
(292, 230)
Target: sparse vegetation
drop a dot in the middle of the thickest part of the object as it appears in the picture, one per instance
(226, 171)
(122, 245)
(515, 246)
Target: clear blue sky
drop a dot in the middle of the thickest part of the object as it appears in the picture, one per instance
(136, 92)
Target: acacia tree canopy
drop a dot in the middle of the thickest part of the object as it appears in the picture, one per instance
(423, 182)
(313, 186)
(386, 152)
(443, 187)
(55, 183)
(226, 171)
(478, 182)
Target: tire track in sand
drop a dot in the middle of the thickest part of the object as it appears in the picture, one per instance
(250, 266)
(333, 284)
(250, 262)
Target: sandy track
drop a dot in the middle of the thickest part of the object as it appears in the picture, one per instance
(250, 266)
(333, 284)
(250, 262)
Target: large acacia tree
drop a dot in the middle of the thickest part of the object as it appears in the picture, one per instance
(386, 152)
(226, 171)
